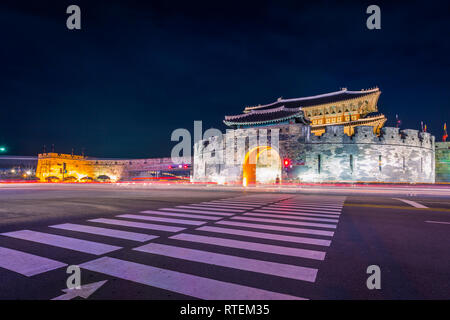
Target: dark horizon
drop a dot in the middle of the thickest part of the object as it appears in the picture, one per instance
(135, 72)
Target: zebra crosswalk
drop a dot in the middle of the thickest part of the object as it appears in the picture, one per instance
(267, 235)
(254, 265)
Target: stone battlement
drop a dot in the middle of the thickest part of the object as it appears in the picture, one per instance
(334, 134)
(365, 135)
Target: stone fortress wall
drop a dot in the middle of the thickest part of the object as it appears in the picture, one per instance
(393, 156)
(61, 167)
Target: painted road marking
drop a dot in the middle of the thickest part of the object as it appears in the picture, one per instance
(412, 203)
(223, 260)
(265, 235)
(252, 204)
(441, 222)
(289, 217)
(395, 207)
(331, 203)
(25, 263)
(310, 210)
(297, 223)
(225, 205)
(159, 219)
(63, 242)
(183, 283)
(113, 233)
(334, 204)
(334, 209)
(185, 215)
(290, 213)
(199, 211)
(213, 209)
(244, 200)
(305, 208)
(84, 291)
(138, 225)
(252, 246)
(277, 228)
(259, 202)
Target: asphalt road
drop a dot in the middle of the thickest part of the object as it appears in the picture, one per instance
(222, 243)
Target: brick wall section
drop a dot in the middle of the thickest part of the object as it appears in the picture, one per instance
(51, 165)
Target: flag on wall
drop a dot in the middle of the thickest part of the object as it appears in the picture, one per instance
(398, 121)
(445, 136)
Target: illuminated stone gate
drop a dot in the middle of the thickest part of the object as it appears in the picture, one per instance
(261, 165)
(349, 150)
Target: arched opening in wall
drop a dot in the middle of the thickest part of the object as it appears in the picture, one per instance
(70, 179)
(87, 179)
(103, 178)
(262, 164)
(52, 179)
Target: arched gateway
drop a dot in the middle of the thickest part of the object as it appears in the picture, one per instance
(262, 164)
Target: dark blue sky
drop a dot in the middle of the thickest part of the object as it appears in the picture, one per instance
(135, 72)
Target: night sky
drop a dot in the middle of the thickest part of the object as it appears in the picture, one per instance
(135, 72)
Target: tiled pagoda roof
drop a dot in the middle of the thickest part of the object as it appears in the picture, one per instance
(265, 116)
(326, 98)
(286, 109)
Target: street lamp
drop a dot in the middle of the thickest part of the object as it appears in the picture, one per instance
(2, 149)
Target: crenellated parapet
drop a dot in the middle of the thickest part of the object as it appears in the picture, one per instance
(393, 155)
(365, 135)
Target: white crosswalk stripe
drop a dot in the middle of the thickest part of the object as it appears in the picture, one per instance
(278, 221)
(287, 204)
(226, 205)
(113, 233)
(159, 219)
(289, 217)
(321, 208)
(301, 210)
(252, 246)
(185, 215)
(183, 283)
(205, 211)
(290, 213)
(249, 201)
(223, 260)
(25, 263)
(213, 209)
(277, 228)
(238, 204)
(139, 225)
(265, 235)
(85, 246)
